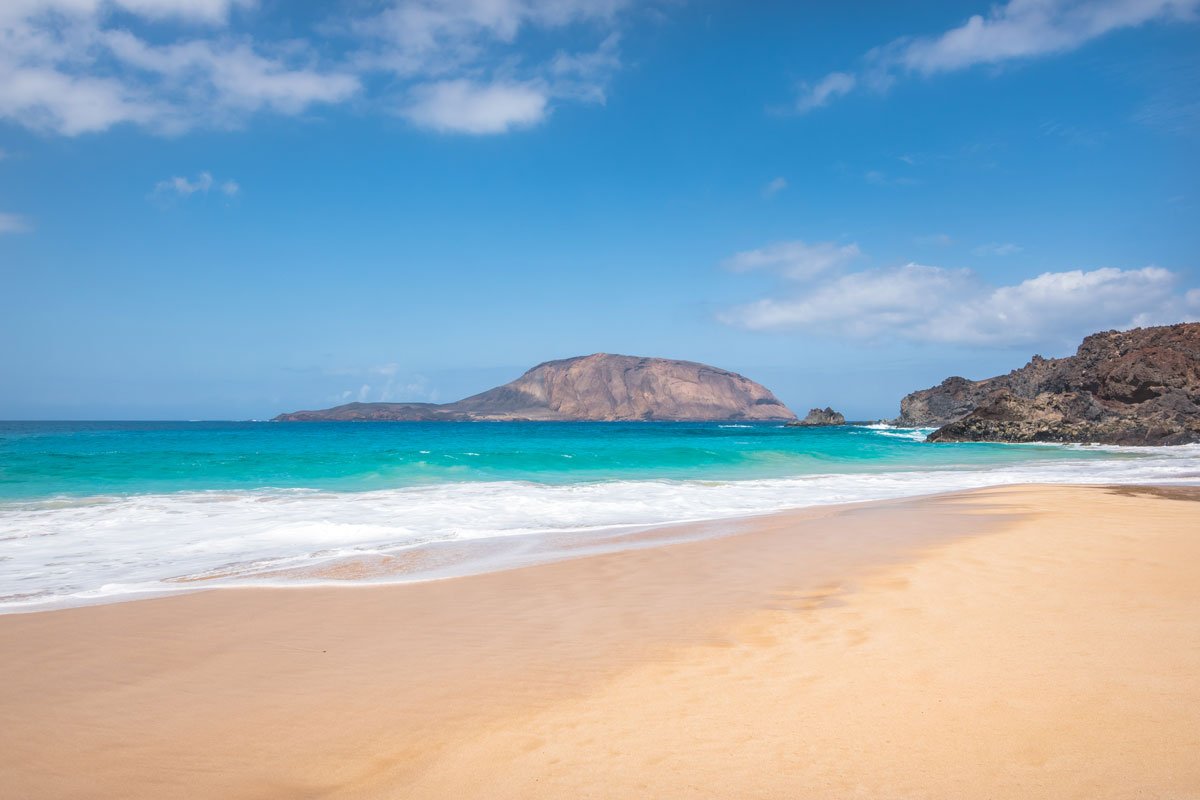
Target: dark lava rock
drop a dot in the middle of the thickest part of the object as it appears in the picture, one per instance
(1138, 387)
(818, 417)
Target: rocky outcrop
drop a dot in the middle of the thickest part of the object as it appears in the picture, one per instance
(819, 417)
(939, 405)
(1138, 387)
(955, 397)
(599, 387)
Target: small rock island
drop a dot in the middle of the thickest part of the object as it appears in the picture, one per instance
(819, 417)
(597, 388)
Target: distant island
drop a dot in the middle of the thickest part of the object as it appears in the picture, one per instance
(1137, 387)
(599, 387)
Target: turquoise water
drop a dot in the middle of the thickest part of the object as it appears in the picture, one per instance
(89, 458)
(104, 511)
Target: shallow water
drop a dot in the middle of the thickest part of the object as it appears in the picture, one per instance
(99, 510)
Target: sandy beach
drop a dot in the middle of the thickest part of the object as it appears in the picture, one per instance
(1018, 642)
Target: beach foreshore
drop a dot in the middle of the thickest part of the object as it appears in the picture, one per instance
(1015, 642)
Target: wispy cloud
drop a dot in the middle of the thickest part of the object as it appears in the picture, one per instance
(935, 239)
(14, 223)
(201, 184)
(1072, 134)
(795, 259)
(1012, 31)
(877, 177)
(833, 85)
(774, 187)
(997, 249)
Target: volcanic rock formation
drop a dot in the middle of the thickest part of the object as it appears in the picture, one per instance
(1138, 387)
(818, 417)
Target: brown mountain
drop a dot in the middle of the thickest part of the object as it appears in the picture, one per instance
(1138, 387)
(599, 387)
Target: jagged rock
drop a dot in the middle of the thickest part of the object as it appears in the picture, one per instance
(1138, 387)
(599, 387)
(955, 397)
(818, 417)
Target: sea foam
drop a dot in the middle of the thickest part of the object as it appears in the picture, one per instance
(74, 550)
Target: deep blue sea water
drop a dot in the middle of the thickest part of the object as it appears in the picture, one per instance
(94, 510)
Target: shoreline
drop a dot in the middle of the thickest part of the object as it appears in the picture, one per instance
(398, 564)
(569, 678)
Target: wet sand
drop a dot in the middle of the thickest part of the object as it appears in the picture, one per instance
(1012, 642)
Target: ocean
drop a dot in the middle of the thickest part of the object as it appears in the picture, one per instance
(104, 511)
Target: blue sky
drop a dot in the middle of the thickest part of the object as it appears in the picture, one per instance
(227, 209)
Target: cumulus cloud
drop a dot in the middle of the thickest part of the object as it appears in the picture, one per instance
(795, 259)
(935, 304)
(74, 67)
(1018, 29)
(466, 107)
(14, 223)
(202, 184)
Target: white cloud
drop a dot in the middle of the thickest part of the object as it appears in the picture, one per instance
(465, 70)
(82, 66)
(775, 187)
(14, 223)
(833, 85)
(202, 184)
(1063, 304)
(73, 67)
(1018, 29)
(465, 107)
(1028, 28)
(423, 37)
(233, 75)
(997, 249)
(934, 304)
(796, 259)
(862, 304)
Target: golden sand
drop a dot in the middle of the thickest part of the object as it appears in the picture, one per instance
(1006, 643)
